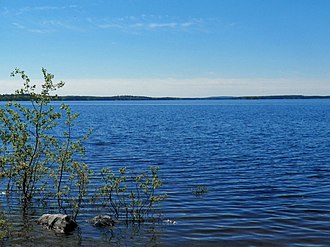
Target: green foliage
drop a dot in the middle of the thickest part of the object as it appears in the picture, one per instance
(130, 197)
(32, 150)
(79, 172)
(3, 227)
(200, 190)
(26, 144)
(40, 157)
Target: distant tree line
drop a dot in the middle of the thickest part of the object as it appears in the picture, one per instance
(22, 97)
(25, 97)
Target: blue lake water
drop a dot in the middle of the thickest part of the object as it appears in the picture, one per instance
(266, 164)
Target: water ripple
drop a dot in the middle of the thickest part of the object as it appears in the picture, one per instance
(265, 164)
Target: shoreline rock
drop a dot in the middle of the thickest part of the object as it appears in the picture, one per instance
(102, 221)
(61, 223)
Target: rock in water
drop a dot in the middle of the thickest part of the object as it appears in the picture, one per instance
(102, 220)
(57, 222)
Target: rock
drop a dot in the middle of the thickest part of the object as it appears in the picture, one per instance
(102, 220)
(168, 221)
(57, 222)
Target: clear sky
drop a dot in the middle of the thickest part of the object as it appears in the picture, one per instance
(169, 47)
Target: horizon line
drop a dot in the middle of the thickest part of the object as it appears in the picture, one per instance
(8, 97)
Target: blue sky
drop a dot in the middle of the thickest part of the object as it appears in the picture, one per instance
(169, 47)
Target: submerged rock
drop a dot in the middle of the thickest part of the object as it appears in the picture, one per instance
(102, 220)
(168, 221)
(58, 222)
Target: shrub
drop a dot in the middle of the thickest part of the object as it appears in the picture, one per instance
(130, 197)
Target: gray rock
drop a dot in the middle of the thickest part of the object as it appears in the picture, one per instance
(102, 220)
(57, 222)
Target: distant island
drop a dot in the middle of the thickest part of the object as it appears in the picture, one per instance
(22, 97)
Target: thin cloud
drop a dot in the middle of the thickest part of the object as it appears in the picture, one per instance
(47, 26)
(56, 24)
(31, 30)
(43, 8)
(194, 87)
(40, 31)
(32, 19)
(104, 24)
(19, 26)
(162, 25)
(37, 19)
(134, 24)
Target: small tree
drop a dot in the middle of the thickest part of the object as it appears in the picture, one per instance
(26, 145)
(32, 149)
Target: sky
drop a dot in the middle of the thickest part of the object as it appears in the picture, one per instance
(178, 48)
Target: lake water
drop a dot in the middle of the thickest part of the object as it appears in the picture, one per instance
(266, 164)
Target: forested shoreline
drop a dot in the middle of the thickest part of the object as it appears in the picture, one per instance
(23, 97)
